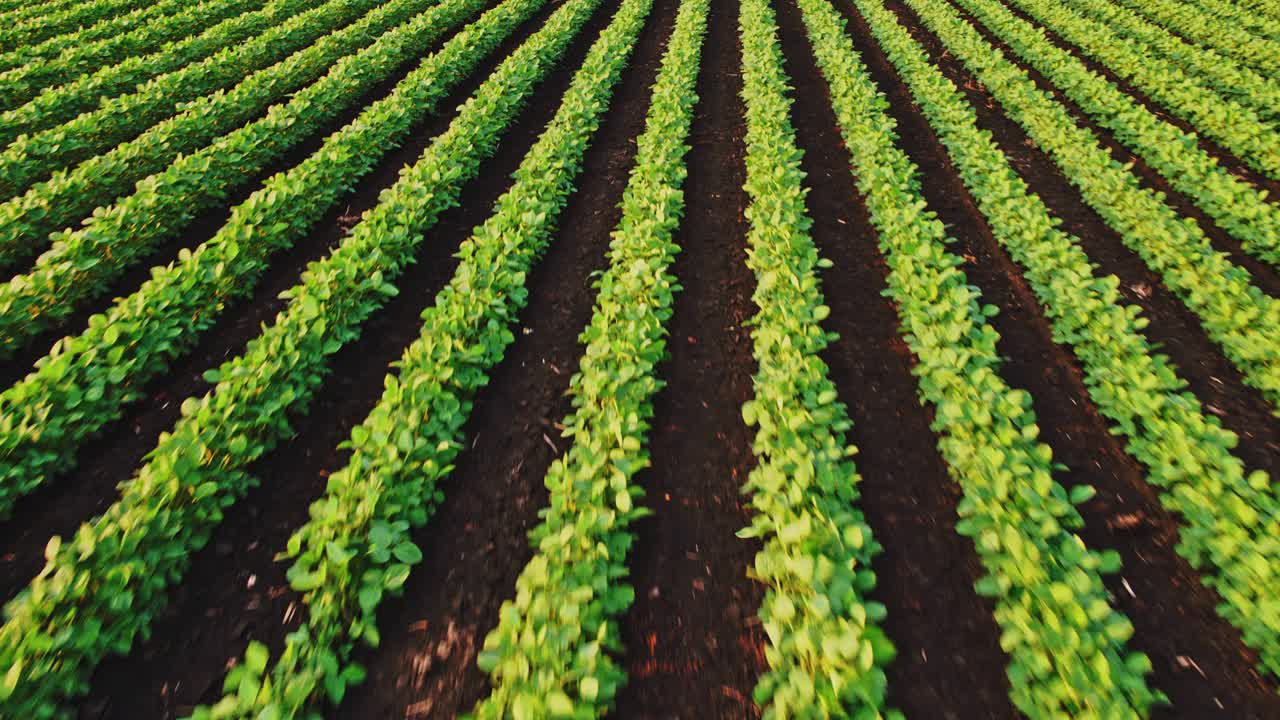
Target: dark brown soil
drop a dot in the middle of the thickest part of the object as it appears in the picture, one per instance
(1200, 660)
(215, 611)
(60, 506)
(1264, 275)
(477, 543)
(694, 644)
(949, 662)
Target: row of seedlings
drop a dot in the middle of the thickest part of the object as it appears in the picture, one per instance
(552, 652)
(1235, 314)
(70, 20)
(1233, 125)
(1067, 646)
(1231, 518)
(33, 158)
(356, 548)
(79, 267)
(826, 650)
(45, 417)
(1245, 212)
(57, 105)
(140, 32)
(1224, 74)
(102, 587)
(1193, 24)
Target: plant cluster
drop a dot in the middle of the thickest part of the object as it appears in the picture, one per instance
(1224, 74)
(1234, 125)
(552, 652)
(43, 25)
(357, 549)
(1231, 519)
(1067, 645)
(82, 263)
(826, 650)
(141, 31)
(1192, 23)
(102, 587)
(45, 417)
(1235, 314)
(1235, 205)
(32, 158)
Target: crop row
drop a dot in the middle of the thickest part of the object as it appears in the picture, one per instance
(82, 263)
(101, 182)
(1235, 314)
(58, 105)
(1232, 520)
(35, 157)
(54, 46)
(1267, 8)
(144, 34)
(551, 654)
(1233, 125)
(1194, 24)
(13, 12)
(356, 548)
(1224, 74)
(826, 650)
(43, 25)
(45, 417)
(1066, 644)
(1233, 203)
(102, 588)
(1259, 24)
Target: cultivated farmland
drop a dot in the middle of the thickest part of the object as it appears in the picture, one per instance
(644, 358)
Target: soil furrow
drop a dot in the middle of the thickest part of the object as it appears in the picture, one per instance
(60, 506)
(1173, 613)
(949, 656)
(477, 542)
(694, 645)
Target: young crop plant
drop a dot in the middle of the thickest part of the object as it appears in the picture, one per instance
(356, 549)
(1233, 125)
(1225, 75)
(1235, 314)
(1186, 451)
(1067, 646)
(1242, 210)
(35, 157)
(141, 31)
(826, 650)
(103, 586)
(83, 263)
(45, 417)
(552, 652)
(57, 105)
